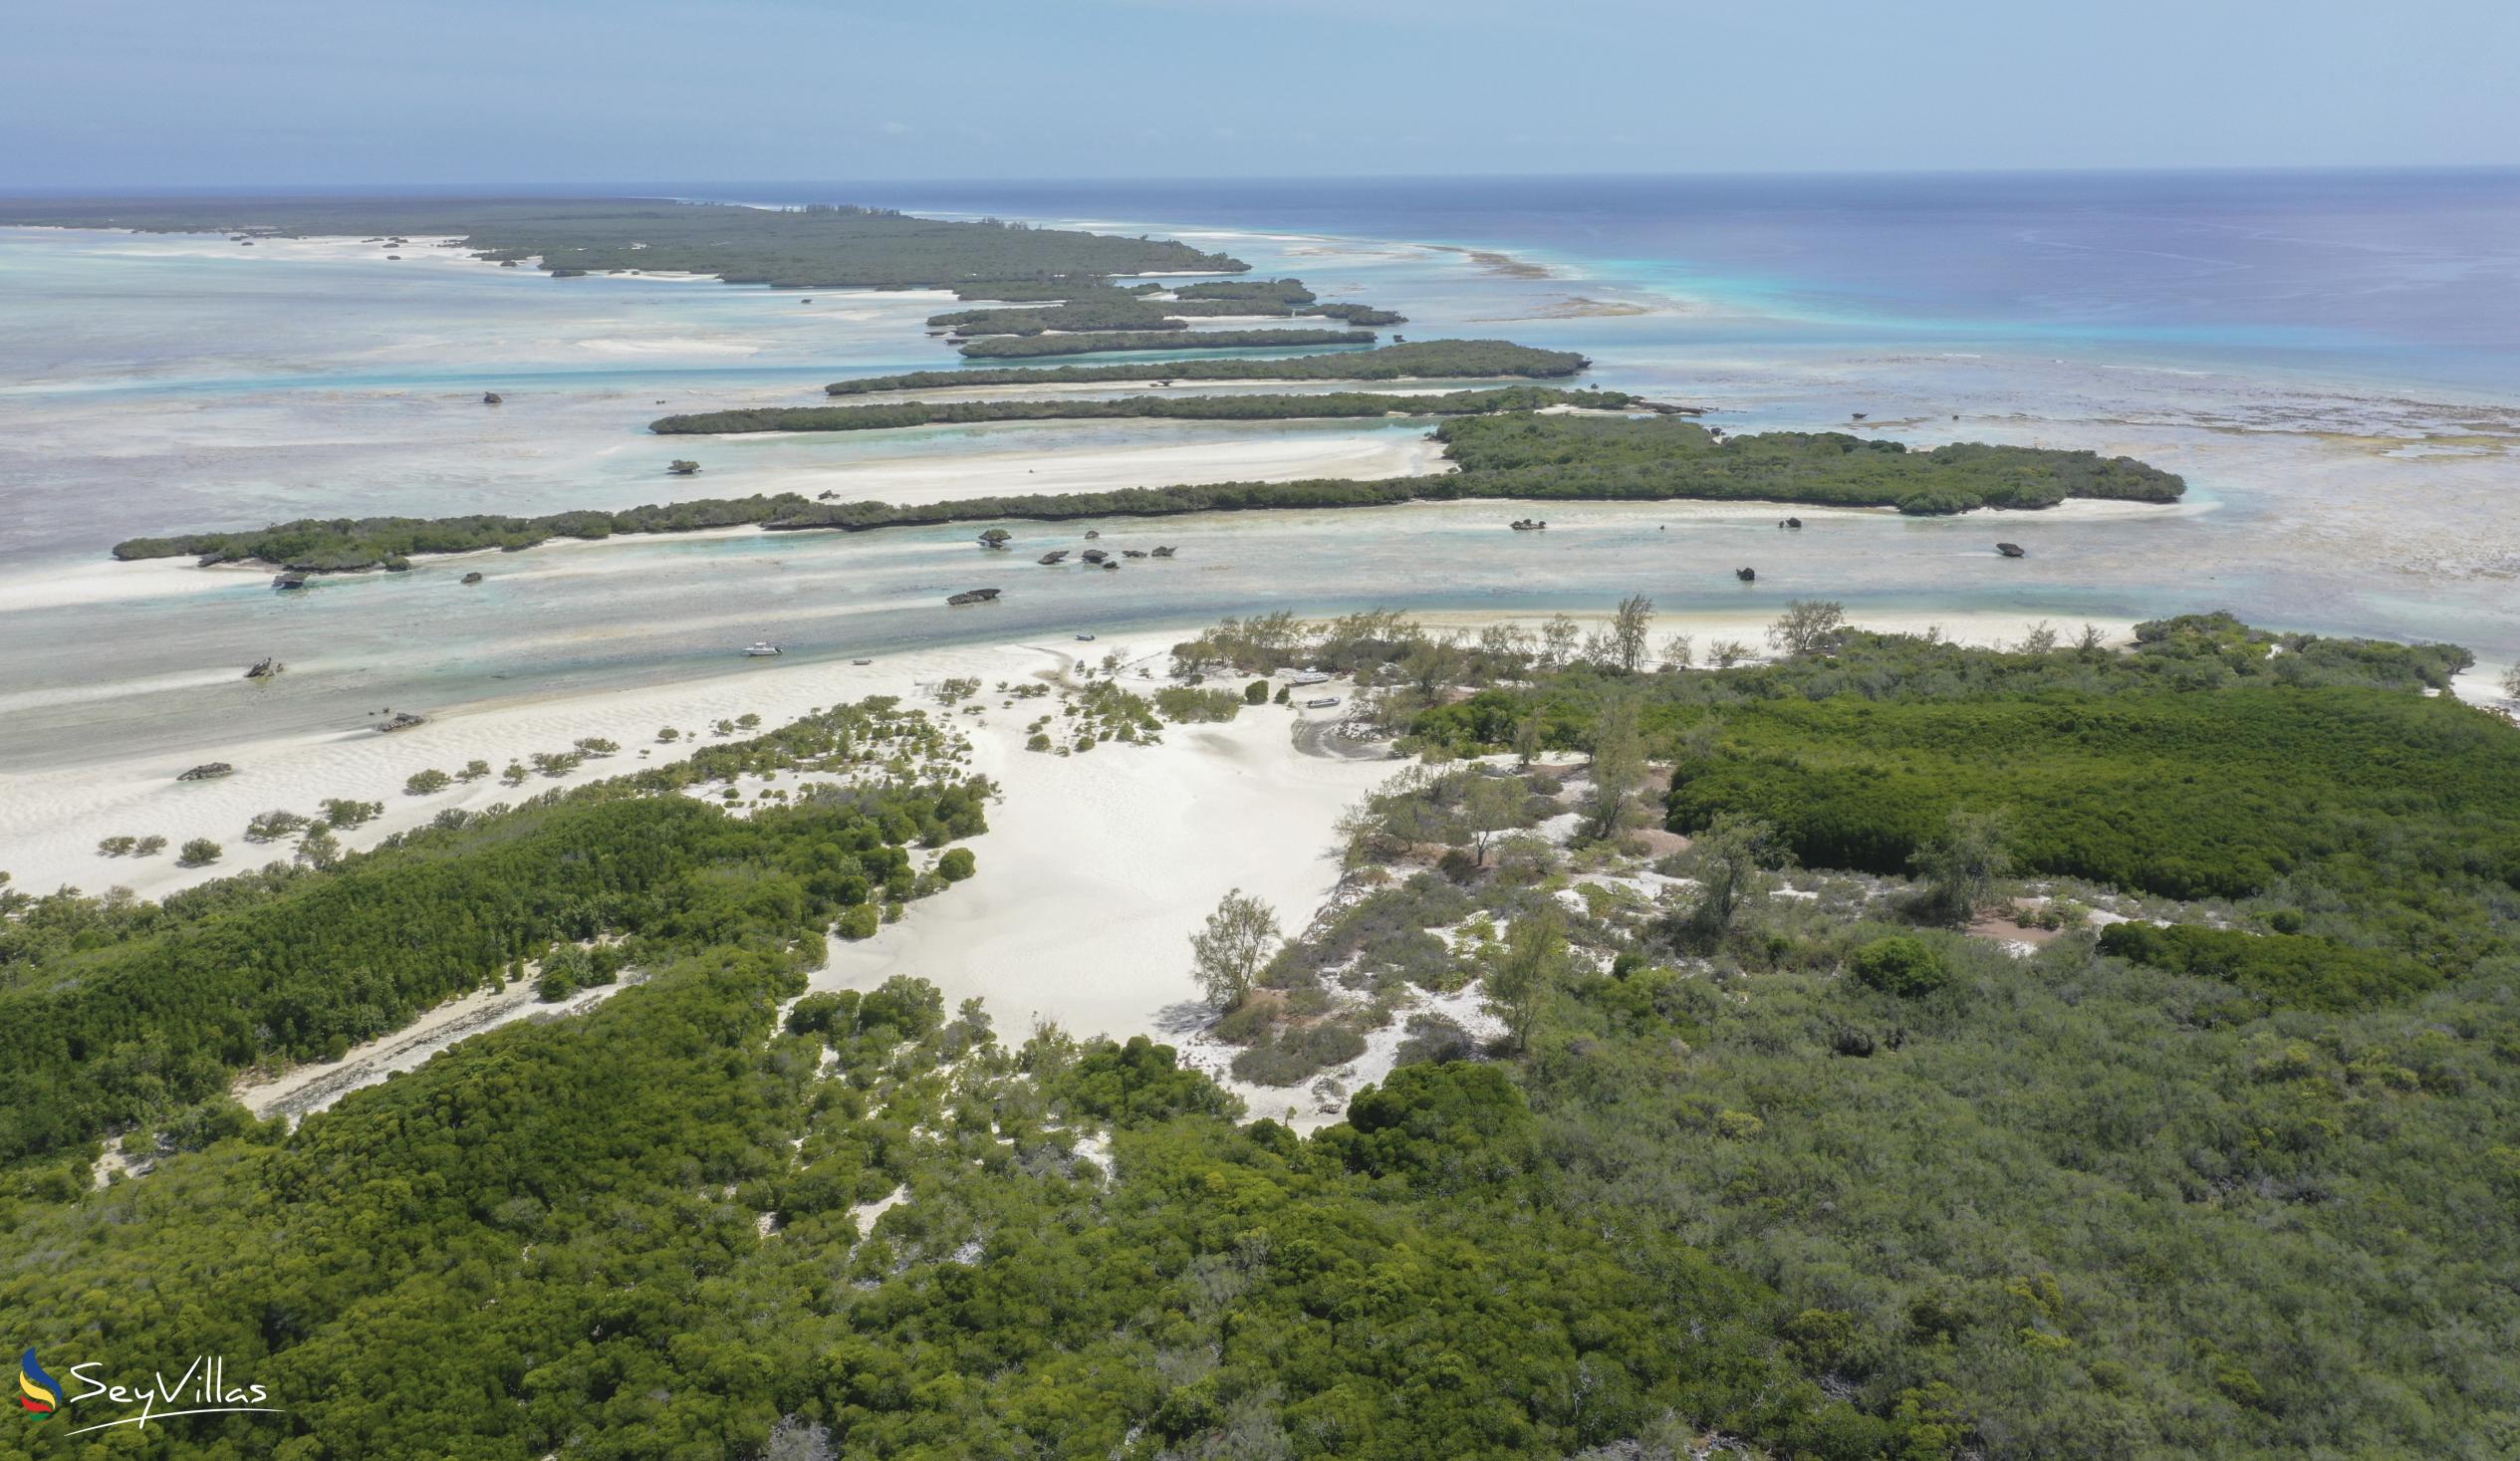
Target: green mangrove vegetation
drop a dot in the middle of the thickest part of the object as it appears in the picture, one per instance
(1335, 405)
(1825, 468)
(1005, 347)
(1434, 360)
(2074, 1191)
(1260, 291)
(117, 1014)
(1118, 309)
(1661, 457)
(1824, 1175)
(820, 247)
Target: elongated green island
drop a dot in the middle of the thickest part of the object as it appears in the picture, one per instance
(1526, 456)
(1420, 359)
(823, 247)
(1331, 405)
(1117, 309)
(1001, 347)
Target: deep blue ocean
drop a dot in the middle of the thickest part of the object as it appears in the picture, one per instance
(2381, 278)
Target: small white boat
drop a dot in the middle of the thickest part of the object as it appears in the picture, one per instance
(1308, 677)
(758, 650)
(1322, 702)
(1084, 639)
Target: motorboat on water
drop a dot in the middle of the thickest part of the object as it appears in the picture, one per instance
(862, 661)
(1084, 639)
(758, 650)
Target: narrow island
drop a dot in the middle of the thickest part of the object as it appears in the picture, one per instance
(1111, 307)
(1009, 347)
(1424, 360)
(1327, 406)
(1525, 457)
(823, 246)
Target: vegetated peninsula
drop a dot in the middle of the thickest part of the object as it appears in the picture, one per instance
(1118, 309)
(1420, 360)
(1005, 347)
(819, 247)
(720, 1215)
(1644, 463)
(1331, 404)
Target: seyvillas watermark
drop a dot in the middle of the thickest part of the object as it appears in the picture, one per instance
(203, 1388)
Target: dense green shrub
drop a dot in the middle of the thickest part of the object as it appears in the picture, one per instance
(2284, 969)
(1901, 964)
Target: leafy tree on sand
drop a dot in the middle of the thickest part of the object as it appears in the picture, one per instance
(1226, 954)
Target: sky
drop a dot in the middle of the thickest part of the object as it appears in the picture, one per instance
(132, 95)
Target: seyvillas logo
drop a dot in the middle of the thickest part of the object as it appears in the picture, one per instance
(37, 1391)
(203, 1390)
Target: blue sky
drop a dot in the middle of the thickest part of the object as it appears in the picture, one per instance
(128, 93)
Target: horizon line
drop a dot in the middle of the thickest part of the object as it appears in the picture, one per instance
(641, 187)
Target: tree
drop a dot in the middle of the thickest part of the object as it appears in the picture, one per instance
(1618, 763)
(1532, 965)
(341, 811)
(1730, 856)
(1527, 736)
(1629, 623)
(2039, 639)
(1678, 652)
(200, 852)
(1558, 639)
(1433, 662)
(1961, 864)
(271, 827)
(318, 849)
(956, 864)
(1901, 964)
(1226, 956)
(2511, 683)
(1256, 693)
(1809, 627)
(1727, 653)
(424, 782)
(1489, 805)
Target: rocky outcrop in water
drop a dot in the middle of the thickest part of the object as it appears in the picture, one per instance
(207, 771)
(1163, 553)
(489, 398)
(288, 581)
(1053, 558)
(2012, 549)
(1747, 574)
(1092, 555)
(973, 596)
(264, 668)
(472, 578)
(400, 722)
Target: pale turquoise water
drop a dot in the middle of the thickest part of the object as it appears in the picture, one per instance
(152, 385)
